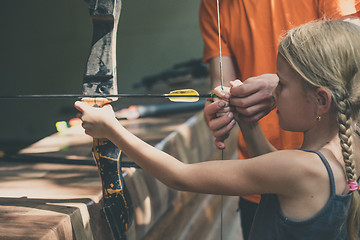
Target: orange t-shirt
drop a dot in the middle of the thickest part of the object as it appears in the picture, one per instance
(250, 33)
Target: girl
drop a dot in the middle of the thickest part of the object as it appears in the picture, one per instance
(307, 193)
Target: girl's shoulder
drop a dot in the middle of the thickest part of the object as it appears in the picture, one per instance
(316, 168)
(288, 171)
(296, 158)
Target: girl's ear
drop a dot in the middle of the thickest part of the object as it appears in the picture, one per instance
(324, 100)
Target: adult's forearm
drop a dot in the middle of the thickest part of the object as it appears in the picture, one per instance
(228, 71)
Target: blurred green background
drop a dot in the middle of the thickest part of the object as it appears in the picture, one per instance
(44, 46)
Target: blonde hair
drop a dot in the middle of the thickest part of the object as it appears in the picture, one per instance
(327, 54)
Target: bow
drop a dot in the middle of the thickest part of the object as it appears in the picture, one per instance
(100, 79)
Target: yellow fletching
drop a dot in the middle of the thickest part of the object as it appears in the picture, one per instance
(189, 95)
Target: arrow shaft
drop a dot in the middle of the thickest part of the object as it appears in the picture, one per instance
(62, 96)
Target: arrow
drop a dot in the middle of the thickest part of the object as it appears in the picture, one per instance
(183, 95)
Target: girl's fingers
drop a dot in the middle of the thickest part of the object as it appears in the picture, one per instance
(80, 106)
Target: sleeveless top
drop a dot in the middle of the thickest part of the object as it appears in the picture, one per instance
(330, 223)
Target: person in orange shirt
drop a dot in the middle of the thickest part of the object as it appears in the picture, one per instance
(250, 33)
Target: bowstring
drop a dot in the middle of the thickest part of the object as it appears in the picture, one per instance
(222, 87)
(220, 53)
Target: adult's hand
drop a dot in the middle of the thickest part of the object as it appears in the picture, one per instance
(219, 117)
(254, 99)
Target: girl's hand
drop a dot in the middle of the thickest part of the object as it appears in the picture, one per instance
(97, 122)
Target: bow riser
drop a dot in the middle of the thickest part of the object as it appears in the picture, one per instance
(100, 75)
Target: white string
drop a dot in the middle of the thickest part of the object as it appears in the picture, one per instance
(222, 87)
(219, 32)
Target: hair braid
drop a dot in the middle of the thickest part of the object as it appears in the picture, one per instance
(345, 134)
(345, 123)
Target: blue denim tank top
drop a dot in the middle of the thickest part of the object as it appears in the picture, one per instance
(328, 224)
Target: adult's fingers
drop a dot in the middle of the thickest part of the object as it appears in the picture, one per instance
(265, 82)
(220, 122)
(220, 144)
(223, 133)
(212, 108)
(261, 97)
(243, 89)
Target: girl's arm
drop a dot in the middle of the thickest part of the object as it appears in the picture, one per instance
(268, 173)
(256, 142)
